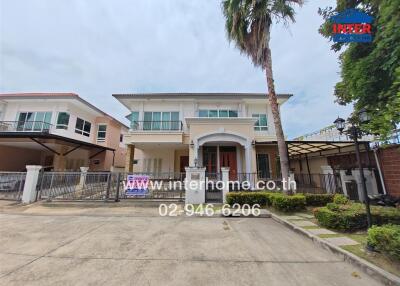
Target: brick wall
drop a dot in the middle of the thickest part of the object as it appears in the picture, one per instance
(389, 158)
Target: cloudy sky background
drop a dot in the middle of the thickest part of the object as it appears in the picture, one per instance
(97, 48)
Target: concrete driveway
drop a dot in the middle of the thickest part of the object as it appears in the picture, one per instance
(52, 248)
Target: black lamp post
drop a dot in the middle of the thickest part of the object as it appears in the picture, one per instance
(355, 133)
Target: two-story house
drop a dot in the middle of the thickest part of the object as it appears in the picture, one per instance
(170, 131)
(60, 131)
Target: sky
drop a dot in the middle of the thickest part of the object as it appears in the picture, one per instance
(100, 47)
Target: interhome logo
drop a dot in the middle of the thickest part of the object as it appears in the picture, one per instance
(351, 25)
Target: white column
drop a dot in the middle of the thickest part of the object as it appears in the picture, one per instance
(32, 176)
(225, 180)
(195, 185)
(83, 176)
(248, 155)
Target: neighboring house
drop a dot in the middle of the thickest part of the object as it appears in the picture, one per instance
(60, 131)
(170, 131)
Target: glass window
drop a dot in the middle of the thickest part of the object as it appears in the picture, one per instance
(161, 121)
(82, 127)
(175, 123)
(223, 113)
(101, 133)
(203, 113)
(62, 120)
(213, 113)
(218, 113)
(134, 118)
(233, 113)
(34, 121)
(261, 123)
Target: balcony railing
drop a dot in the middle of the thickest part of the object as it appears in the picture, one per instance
(25, 126)
(157, 125)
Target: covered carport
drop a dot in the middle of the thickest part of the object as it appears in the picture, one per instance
(328, 166)
(53, 152)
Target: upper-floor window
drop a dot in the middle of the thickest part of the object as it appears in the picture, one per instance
(34, 121)
(62, 120)
(161, 121)
(134, 118)
(217, 113)
(101, 132)
(121, 138)
(261, 123)
(82, 127)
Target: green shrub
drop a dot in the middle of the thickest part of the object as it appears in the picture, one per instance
(352, 216)
(318, 200)
(385, 239)
(250, 198)
(288, 203)
(340, 199)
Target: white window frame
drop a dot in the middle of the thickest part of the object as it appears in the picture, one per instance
(83, 132)
(98, 131)
(218, 113)
(260, 127)
(62, 126)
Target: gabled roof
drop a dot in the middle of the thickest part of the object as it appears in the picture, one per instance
(55, 95)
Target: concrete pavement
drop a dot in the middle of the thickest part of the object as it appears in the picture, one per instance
(99, 248)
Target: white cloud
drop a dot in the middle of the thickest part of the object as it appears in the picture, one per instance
(97, 48)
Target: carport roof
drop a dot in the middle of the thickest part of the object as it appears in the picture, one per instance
(34, 136)
(298, 148)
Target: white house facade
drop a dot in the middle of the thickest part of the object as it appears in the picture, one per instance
(170, 131)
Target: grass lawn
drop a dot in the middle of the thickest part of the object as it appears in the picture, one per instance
(376, 258)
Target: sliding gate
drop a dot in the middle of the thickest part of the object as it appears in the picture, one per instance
(108, 186)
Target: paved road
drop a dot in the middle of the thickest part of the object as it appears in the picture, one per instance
(82, 249)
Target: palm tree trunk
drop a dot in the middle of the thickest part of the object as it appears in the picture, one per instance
(273, 101)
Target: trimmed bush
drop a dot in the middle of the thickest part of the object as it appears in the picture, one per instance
(340, 199)
(250, 198)
(352, 216)
(318, 200)
(385, 239)
(279, 201)
(288, 203)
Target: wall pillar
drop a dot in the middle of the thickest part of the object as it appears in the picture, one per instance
(32, 176)
(82, 179)
(195, 185)
(130, 156)
(225, 180)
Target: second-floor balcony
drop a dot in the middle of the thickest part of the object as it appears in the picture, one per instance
(156, 126)
(25, 126)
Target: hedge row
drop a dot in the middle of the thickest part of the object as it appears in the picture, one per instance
(318, 200)
(278, 200)
(352, 216)
(385, 239)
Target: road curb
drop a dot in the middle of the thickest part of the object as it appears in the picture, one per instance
(367, 267)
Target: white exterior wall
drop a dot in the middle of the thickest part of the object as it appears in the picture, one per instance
(54, 106)
(190, 109)
(167, 156)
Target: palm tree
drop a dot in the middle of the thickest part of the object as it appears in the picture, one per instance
(248, 24)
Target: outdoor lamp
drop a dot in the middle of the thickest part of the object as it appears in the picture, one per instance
(363, 115)
(340, 124)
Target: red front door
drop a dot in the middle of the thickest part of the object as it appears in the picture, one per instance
(227, 158)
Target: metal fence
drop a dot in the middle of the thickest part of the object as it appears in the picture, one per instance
(318, 183)
(12, 185)
(108, 186)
